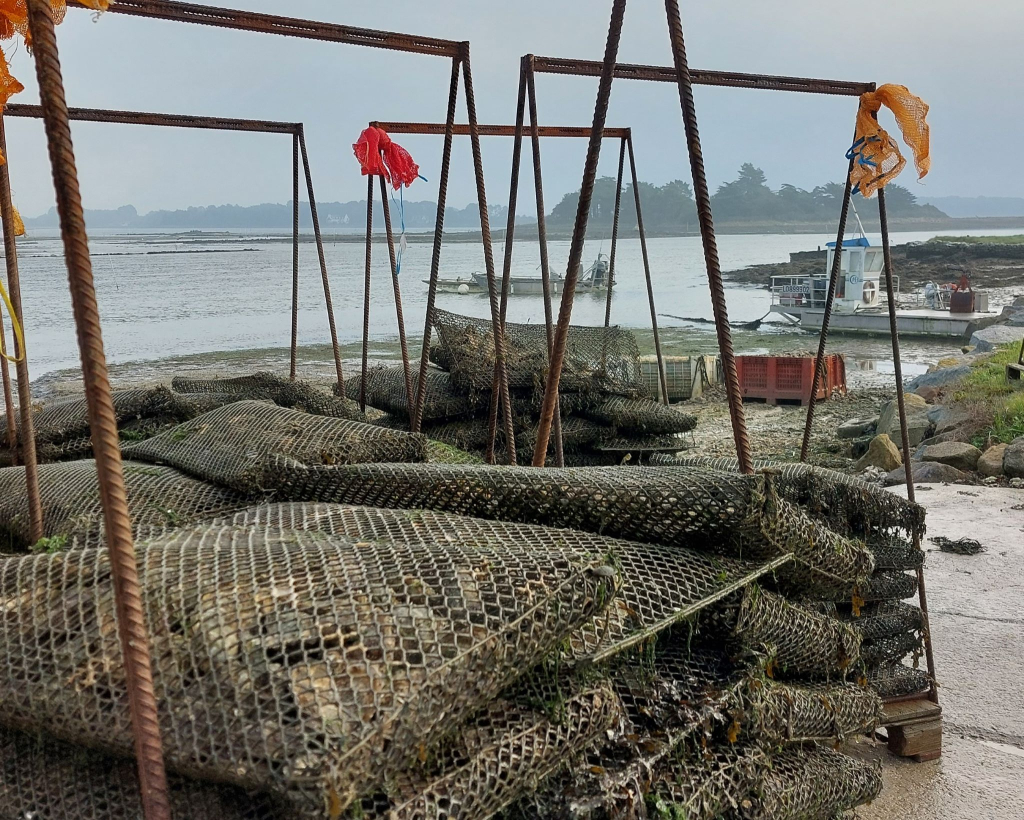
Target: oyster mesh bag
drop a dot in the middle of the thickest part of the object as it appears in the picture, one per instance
(846, 503)
(884, 619)
(640, 416)
(309, 665)
(597, 359)
(283, 392)
(659, 585)
(385, 390)
(159, 498)
(897, 681)
(715, 512)
(235, 445)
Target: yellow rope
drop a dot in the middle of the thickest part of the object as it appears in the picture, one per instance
(17, 330)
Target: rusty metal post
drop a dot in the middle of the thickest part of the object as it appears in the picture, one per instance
(399, 314)
(131, 621)
(647, 272)
(435, 259)
(485, 234)
(707, 231)
(615, 234)
(826, 318)
(542, 240)
(323, 261)
(27, 447)
(366, 291)
(604, 91)
(293, 361)
(905, 434)
(9, 407)
(506, 269)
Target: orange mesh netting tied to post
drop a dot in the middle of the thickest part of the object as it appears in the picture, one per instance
(876, 156)
(380, 156)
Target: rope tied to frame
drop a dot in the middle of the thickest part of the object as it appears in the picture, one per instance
(876, 155)
(16, 325)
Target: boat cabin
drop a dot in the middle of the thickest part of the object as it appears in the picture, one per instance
(858, 287)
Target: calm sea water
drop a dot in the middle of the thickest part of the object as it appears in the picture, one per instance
(171, 296)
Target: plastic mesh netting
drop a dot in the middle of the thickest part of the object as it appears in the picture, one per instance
(159, 498)
(385, 390)
(892, 649)
(312, 665)
(268, 387)
(810, 784)
(888, 585)
(717, 512)
(703, 785)
(893, 552)
(44, 779)
(597, 359)
(640, 416)
(62, 427)
(235, 445)
(885, 619)
(845, 502)
(659, 585)
(897, 681)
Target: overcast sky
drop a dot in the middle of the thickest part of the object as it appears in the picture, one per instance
(964, 60)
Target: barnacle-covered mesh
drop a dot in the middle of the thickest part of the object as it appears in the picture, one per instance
(640, 416)
(597, 359)
(795, 641)
(312, 665)
(466, 434)
(659, 585)
(704, 784)
(385, 390)
(894, 552)
(845, 502)
(45, 779)
(235, 445)
(668, 443)
(62, 427)
(884, 619)
(158, 498)
(898, 681)
(888, 585)
(268, 387)
(715, 512)
(811, 784)
(577, 434)
(500, 755)
(892, 649)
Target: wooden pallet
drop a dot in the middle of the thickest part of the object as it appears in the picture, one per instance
(914, 728)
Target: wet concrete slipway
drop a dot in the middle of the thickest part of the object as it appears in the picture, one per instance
(976, 605)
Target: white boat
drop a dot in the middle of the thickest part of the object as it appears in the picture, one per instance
(861, 305)
(593, 279)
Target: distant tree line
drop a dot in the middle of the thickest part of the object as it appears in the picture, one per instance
(745, 199)
(667, 208)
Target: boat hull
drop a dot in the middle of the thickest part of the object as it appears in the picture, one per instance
(916, 322)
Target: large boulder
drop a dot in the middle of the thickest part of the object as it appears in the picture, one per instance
(1013, 459)
(882, 453)
(991, 461)
(954, 453)
(918, 424)
(938, 378)
(855, 428)
(996, 336)
(925, 472)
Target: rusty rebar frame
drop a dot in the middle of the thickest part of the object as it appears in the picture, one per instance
(295, 129)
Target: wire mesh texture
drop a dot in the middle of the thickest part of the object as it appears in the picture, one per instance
(44, 779)
(310, 665)
(884, 619)
(597, 359)
(385, 390)
(726, 514)
(659, 586)
(158, 498)
(235, 445)
(638, 416)
(283, 392)
(846, 503)
(898, 680)
(62, 426)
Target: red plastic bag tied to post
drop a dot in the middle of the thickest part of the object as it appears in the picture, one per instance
(379, 155)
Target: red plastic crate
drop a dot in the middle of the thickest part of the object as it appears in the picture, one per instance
(788, 379)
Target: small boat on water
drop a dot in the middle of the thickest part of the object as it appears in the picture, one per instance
(861, 305)
(593, 279)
